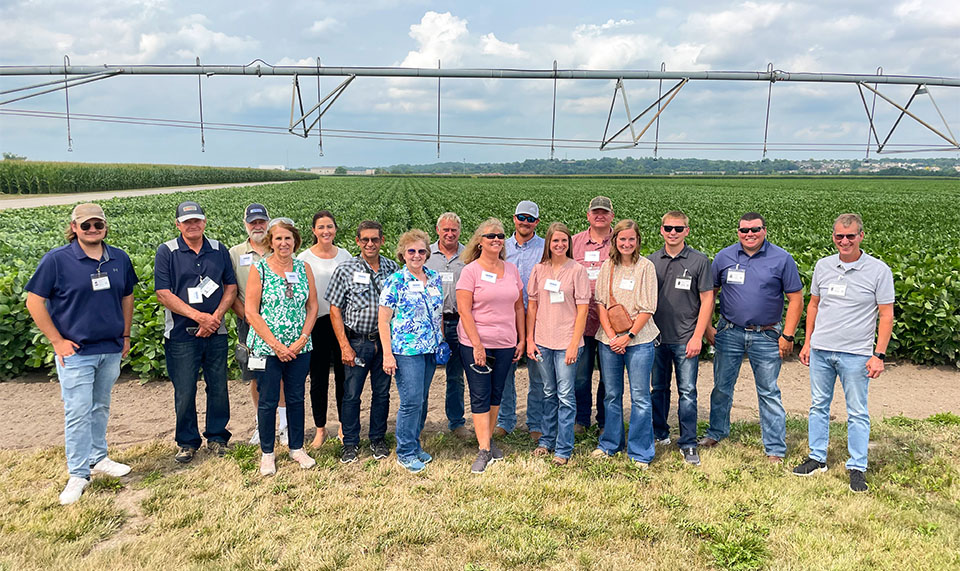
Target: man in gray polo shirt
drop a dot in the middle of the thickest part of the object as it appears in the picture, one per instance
(684, 310)
(849, 291)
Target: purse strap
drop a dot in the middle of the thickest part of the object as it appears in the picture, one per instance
(611, 300)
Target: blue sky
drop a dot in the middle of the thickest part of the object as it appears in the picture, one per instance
(909, 37)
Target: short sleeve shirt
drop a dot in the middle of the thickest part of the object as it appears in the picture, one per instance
(91, 319)
(680, 281)
(494, 299)
(449, 270)
(322, 272)
(415, 328)
(767, 275)
(557, 294)
(284, 314)
(243, 257)
(355, 289)
(584, 247)
(849, 299)
(635, 288)
(524, 257)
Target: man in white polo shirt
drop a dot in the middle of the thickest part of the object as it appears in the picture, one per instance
(850, 290)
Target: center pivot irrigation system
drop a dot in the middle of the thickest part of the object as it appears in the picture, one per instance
(304, 123)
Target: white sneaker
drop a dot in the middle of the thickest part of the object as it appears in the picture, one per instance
(662, 442)
(110, 468)
(72, 491)
(255, 439)
(283, 436)
(300, 457)
(268, 464)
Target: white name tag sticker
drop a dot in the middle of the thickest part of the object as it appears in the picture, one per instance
(839, 290)
(255, 363)
(552, 285)
(100, 281)
(207, 287)
(246, 259)
(416, 286)
(626, 284)
(736, 276)
(434, 291)
(683, 283)
(593, 273)
(292, 277)
(361, 278)
(446, 277)
(556, 297)
(194, 295)
(593, 256)
(488, 277)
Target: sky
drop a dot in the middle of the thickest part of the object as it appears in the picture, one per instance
(904, 37)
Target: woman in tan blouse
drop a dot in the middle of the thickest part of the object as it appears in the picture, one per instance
(632, 279)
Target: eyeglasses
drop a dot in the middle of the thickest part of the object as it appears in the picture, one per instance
(678, 229)
(99, 225)
(755, 230)
(494, 236)
(369, 240)
(526, 218)
(850, 237)
(413, 252)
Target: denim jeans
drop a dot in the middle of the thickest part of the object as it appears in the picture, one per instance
(638, 361)
(185, 360)
(584, 384)
(763, 350)
(293, 375)
(670, 357)
(372, 355)
(507, 417)
(85, 385)
(414, 373)
(825, 367)
(454, 368)
(560, 402)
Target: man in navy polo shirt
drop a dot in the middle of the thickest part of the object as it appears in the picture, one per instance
(752, 277)
(81, 298)
(194, 280)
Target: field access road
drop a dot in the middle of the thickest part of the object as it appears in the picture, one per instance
(33, 200)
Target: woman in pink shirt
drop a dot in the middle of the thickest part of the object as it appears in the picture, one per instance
(491, 329)
(558, 295)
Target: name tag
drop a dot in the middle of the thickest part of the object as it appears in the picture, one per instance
(207, 287)
(552, 285)
(246, 259)
(361, 278)
(446, 277)
(556, 297)
(683, 283)
(593, 256)
(488, 277)
(434, 291)
(839, 290)
(416, 286)
(736, 276)
(100, 281)
(194, 295)
(626, 284)
(593, 273)
(292, 277)
(255, 363)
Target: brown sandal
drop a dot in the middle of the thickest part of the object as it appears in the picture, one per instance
(540, 451)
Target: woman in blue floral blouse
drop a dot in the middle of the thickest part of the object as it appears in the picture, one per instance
(410, 324)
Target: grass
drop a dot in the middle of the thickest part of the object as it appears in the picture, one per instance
(735, 511)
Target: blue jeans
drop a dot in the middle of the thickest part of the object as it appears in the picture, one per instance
(584, 384)
(763, 350)
(454, 368)
(185, 360)
(414, 373)
(560, 403)
(293, 375)
(85, 385)
(670, 357)
(372, 355)
(507, 417)
(825, 366)
(638, 361)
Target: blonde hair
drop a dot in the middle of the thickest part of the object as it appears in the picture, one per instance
(849, 219)
(625, 224)
(678, 214)
(409, 237)
(267, 241)
(551, 230)
(472, 250)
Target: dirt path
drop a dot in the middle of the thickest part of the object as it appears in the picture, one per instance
(31, 414)
(17, 201)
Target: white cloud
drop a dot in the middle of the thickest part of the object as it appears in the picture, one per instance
(829, 131)
(593, 29)
(325, 26)
(490, 45)
(440, 37)
(932, 13)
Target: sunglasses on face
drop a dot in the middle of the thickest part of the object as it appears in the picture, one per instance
(99, 225)
(850, 237)
(678, 229)
(369, 240)
(755, 230)
(526, 218)
(494, 236)
(413, 252)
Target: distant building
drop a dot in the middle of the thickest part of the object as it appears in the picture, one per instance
(323, 170)
(364, 172)
(272, 167)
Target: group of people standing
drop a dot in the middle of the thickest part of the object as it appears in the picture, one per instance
(565, 302)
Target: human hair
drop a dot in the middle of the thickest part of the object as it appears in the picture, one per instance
(370, 225)
(751, 216)
(551, 230)
(448, 216)
(678, 214)
(849, 219)
(472, 250)
(409, 237)
(625, 224)
(267, 241)
(70, 235)
(318, 216)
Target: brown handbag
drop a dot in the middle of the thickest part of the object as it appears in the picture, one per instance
(620, 320)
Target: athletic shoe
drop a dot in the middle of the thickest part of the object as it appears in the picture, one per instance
(690, 456)
(379, 449)
(350, 454)
(484, 458)
(641, 465)
(662, 442)
(217, 447)
(424, 457)
(185, 455)
(268, 464)
(495, 452)
(413, 465)
(810, 467)
(858, 481)
(300, 457)
(72, 491)
(110, 468)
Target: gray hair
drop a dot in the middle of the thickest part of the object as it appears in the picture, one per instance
(849, 219)
(449, 216)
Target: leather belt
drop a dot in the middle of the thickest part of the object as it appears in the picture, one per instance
(760, 327)
(351, 334)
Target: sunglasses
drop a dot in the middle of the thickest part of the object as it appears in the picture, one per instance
(526, 218)
(99, 225)
(369, 240)
(494, 236)
(289, 291)
(413, 252)
(484, 370)
(276, 221)
(850, 237)
(667, 228)
(755, 230)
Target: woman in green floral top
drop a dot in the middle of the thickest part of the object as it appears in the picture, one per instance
(281, 306)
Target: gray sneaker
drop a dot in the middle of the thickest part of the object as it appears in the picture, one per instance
(380, 449)
(484, 458)
(185, 454)
(690, 456)
(495, 451)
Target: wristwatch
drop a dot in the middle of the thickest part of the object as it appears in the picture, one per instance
(631, 334)
(880, 356)
(789, 338)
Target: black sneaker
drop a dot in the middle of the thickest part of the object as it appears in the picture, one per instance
(185, 454)
(350, 454)
(495, 452)
(809, 468)
(484, 459)
(690, 456)
(217, 447)
(379, 449)
(858, 481)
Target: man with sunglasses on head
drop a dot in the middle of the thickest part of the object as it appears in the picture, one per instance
(752, 277)
(354, 294)
(195, 282)
(81, 298)
(524, 250)
(850, 294)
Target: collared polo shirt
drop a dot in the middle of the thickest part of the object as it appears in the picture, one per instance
(679, 307)
(178, 268)
(524, 256)
(359, 302)
(582, 243)
(91, 319)
(849, 299)
(242, 270)
(768, 275)
(449, 270)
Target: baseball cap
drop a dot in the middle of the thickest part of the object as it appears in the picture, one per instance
(255, 212)
(601, 202)
(528, 207)
(189, 210)
(83, 212)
